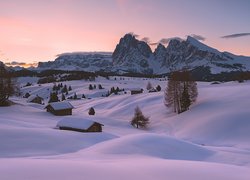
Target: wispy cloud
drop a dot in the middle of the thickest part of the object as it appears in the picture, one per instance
(146, 40)
(235, 35)
(154, 44)
(167, 40)
(198, 37)
(22, 64)
(133, 34)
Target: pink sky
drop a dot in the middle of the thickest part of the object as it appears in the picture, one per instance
(33, 31)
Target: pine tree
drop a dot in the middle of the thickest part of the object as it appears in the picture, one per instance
(64, 89)
(100, 86)
(75, 96)
(139, 120)
(70, 88)
(53, 98)
(91, 111)
(90, 87)
(63, 97)
(83, 96)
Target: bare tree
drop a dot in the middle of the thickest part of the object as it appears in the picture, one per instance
(139, 120)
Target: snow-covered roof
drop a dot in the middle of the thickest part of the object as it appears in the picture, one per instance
(32, 97)
(60, 105)
(74, 122)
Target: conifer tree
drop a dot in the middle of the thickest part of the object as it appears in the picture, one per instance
(100, 86)
(181, 91)
(75, 96)
(139, 120)
(70, 88)
(90, 87)
(53, 97)
(91, 111)
(63, 97)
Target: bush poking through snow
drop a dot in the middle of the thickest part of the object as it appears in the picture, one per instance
(158, 88)
(91, 111)
(139, 120)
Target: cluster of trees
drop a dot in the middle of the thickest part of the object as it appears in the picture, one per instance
(114, 90)
(8, 87)
(181, 91)
(91, 87)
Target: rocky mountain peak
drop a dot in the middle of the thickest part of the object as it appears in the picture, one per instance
(132, 54)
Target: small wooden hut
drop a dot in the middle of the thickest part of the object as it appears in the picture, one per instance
(63, 108)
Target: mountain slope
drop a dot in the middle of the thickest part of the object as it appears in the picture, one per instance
(132, 55)
(94, 61)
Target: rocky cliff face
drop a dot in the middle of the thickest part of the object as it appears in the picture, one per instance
(132, 55)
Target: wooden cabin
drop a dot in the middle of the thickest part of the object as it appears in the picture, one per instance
(63, 108)
(35, 99)
(136, 91)
(79, 125)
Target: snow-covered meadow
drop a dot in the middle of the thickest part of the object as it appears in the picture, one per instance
(210, 141)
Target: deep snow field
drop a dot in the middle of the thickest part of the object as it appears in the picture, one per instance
(210, 141)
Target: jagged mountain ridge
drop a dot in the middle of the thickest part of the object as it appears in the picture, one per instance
(132, 55)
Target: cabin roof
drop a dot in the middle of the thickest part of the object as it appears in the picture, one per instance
(60, 105)
(77, 123)
(32, 97)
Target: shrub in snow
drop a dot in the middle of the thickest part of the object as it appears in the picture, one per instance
(158, 88)
(26, 95)
(91, 111)
(139, 120)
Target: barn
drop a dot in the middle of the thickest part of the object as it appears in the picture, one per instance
(136, 91)
(35, 99)
(79, 125)
(63, 108)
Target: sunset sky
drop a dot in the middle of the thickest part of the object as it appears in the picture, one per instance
(38, 30)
